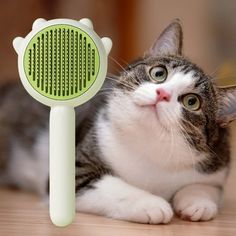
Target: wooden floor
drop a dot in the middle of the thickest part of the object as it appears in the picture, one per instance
(25, 214)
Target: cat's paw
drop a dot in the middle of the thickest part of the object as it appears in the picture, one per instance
(195, 209)
(151, 210)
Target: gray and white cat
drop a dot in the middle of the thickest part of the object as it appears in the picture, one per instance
(152, 142)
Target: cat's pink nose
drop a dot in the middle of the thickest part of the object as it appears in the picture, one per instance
(162, 95)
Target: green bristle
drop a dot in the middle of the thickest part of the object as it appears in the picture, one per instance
(61, 62)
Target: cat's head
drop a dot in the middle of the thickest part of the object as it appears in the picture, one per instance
(166, 90)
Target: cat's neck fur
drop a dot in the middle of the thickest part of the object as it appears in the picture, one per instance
(156, 161)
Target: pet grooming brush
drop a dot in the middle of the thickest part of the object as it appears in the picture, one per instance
(62, 63)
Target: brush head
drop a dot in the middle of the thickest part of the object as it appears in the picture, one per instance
(62, 61)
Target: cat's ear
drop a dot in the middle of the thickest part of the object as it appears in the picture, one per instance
(227, 105)
(169, 42)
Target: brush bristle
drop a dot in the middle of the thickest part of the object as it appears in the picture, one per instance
(61, 62)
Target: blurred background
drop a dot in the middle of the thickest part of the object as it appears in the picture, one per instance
(209, 28)
(209, 32)
(209, 41)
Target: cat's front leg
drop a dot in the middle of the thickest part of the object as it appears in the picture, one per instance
(114, 198)
(197, 202)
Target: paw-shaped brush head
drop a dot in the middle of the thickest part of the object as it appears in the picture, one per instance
(62, 61)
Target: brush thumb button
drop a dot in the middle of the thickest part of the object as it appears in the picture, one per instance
(107, 43)
(38, 22)
(16, 43)
(87, 22)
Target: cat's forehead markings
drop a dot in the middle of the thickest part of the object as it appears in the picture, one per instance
(176, 62)
(182, 80)
(132, 66)
(203, 82)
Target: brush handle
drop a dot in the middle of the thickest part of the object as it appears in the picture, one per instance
(62, 165)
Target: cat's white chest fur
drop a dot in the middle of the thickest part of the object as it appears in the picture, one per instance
(151, 160)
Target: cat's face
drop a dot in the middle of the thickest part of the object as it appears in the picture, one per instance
(170, 93)
(165, 91)
(174, 91)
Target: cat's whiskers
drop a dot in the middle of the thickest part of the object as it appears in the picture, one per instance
(168, 120)
(106, 89)
(163, 132)
(184, 134)
(171, 144)
(210, 157)
(106, 92)
(123, 69)
(124, 61)
(114, 60)
(170, 115)
(122, 83)
(215, 71)
(223, 74)
(198, 130)
(206, 146)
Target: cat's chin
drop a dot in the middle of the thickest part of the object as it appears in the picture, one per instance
(155, 114)
(149, 109)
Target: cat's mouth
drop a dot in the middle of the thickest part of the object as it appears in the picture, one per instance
(150, 108)
(155, 110)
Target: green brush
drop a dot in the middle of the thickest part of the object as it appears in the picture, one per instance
(62, 63)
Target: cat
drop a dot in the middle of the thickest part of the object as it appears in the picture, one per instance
(153, 141)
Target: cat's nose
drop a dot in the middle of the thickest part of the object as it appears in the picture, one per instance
(162, 95)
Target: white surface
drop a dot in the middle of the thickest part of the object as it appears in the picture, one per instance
(62, 165)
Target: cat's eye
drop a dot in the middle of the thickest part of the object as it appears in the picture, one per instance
(158, 74)
(191, 102)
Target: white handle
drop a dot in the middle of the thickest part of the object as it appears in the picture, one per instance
(62, 165)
